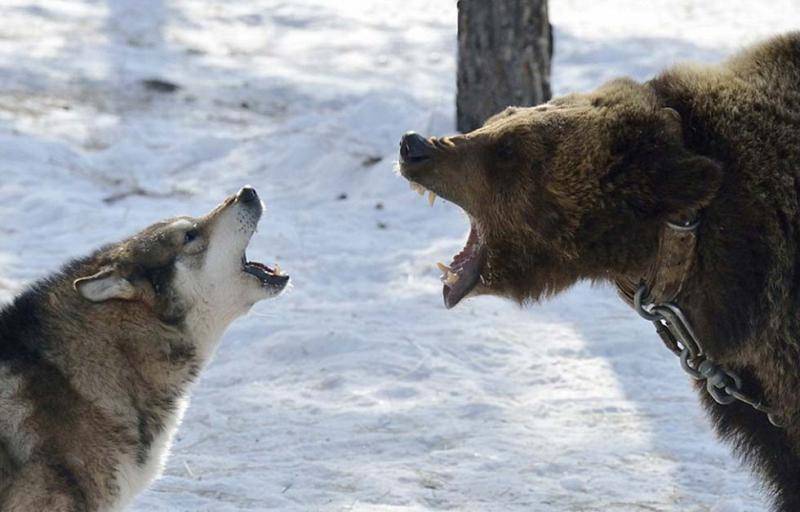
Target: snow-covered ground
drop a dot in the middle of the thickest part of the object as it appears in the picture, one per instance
(356, 391)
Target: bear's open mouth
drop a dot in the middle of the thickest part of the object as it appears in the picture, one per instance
(464, 272)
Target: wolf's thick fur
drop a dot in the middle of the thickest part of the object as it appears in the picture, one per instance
(580, 188)
(96, 360)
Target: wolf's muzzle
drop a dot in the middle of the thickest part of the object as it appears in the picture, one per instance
(247, 195)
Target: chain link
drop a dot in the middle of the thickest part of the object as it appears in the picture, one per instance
(724, 386)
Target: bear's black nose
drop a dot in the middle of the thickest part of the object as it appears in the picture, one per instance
(247, 195)
(414, 148)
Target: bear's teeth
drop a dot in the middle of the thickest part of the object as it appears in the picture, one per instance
(277, 270)
(431, 197)
(451, 279)
(416, 187)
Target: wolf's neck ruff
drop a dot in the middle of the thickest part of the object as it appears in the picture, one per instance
(653, 297)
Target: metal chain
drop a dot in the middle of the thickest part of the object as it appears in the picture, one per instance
(724, 386)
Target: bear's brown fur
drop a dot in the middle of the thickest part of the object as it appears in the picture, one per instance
(579, 188)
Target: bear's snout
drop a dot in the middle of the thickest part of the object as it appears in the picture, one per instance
(414, 148)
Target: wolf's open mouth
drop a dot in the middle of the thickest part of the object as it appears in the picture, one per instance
(268, 276)
(465, 270)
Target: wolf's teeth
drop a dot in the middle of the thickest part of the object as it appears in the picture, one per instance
(431, 197)
(451, 278)
(444, 268)
(278, 270)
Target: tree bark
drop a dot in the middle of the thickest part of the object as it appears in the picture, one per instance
(504, 52)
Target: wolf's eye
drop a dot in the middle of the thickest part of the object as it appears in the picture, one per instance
(190, 236)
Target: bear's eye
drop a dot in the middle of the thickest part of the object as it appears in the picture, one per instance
(505, 150)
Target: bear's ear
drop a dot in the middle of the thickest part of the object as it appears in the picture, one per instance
(507, 112)
(689, 182)
(672, 121)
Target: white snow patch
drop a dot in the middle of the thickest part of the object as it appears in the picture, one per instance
(356, 390)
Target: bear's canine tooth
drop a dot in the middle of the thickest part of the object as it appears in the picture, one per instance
(416, 187)
(277, 270)
(431, 197)
(451, 278)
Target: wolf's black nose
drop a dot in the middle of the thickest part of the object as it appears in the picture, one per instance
(247, 195)
(414, 147)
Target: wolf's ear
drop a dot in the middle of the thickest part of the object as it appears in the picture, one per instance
(105, 285)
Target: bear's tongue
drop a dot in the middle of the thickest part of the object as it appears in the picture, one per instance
(464, 272)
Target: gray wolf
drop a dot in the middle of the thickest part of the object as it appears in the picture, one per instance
(97, 359)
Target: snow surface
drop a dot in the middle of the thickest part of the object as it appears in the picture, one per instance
(356, 391)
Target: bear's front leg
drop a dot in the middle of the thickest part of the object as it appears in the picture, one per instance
(773, 450)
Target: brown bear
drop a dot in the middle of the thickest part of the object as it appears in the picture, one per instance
(691, 179)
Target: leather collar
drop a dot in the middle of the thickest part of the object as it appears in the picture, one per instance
(677, 249)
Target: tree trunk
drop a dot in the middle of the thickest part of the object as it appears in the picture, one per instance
(504, 51)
